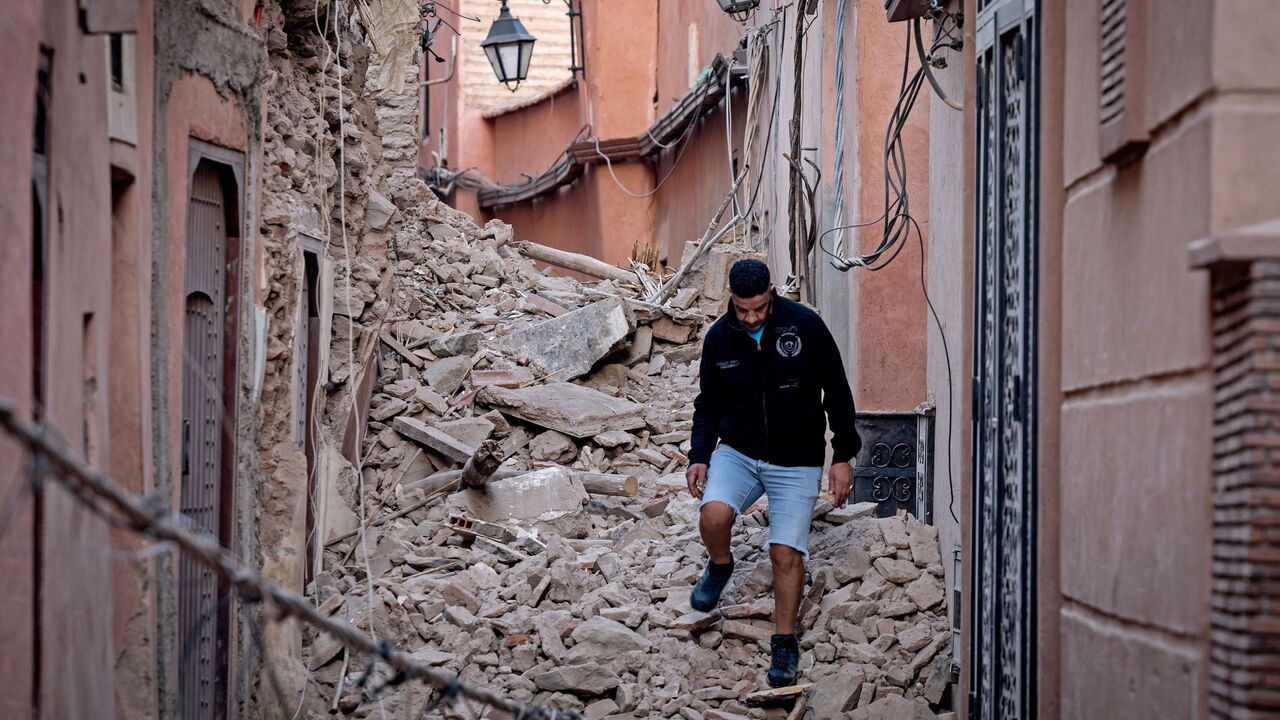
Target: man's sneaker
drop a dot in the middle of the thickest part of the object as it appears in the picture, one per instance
(710, 585)
(786, 660)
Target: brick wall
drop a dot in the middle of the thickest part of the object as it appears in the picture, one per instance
(1245, 666)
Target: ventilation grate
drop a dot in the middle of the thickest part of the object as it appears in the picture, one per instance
(1112, 46)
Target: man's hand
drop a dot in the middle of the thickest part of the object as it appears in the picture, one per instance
(841, 478)
(696, 476)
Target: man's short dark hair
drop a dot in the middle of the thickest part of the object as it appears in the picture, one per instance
(748, 278)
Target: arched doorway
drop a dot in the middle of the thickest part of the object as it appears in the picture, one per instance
(208, 434)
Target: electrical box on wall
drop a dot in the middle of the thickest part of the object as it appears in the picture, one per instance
(899, 10)
(894, 469)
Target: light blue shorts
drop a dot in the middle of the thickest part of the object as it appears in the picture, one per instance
(738, 481)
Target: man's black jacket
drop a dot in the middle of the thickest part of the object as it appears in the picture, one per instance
(766, 400)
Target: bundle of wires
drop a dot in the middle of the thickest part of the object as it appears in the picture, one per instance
(896, 218)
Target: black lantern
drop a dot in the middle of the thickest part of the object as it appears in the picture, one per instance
(738, 9)
(509, 47)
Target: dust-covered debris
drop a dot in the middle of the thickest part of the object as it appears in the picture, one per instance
(564, 580)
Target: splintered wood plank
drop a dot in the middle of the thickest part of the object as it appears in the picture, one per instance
(775, 696)
(410, 357)
(433, 439)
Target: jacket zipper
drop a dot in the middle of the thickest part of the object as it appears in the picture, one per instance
(764, 397)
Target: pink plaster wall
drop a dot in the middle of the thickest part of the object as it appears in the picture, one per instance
(716, 33)
(532, 139)
(565, 220)
(620, 75)
(129, 361)
(890, 345)
(701, 177)
(96, 622)
(73, 621)
(20, 35)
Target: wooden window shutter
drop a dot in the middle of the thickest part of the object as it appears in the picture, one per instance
(1122, 62)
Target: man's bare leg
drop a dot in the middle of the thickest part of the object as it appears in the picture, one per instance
(716, 525)
(788, 584)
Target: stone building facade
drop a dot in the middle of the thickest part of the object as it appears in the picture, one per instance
(1103, 140)
(201, 220)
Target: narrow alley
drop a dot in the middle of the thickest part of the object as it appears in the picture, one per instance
(621, 359)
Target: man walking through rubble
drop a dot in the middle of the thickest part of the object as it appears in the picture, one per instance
(770, 369)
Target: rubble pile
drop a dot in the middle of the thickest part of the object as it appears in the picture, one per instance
(564, 579)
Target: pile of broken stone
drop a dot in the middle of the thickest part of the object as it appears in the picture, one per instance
(564, 580)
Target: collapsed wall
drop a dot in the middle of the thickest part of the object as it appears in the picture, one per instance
(566, 581)
(324, 236)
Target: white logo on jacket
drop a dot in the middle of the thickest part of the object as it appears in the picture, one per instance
(789, 345)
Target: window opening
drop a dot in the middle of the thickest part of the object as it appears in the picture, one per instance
(116, 41)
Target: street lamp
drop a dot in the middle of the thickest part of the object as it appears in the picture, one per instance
(738, 9)
(509, 47)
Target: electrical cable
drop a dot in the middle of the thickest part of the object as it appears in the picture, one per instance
(684, 145)
(838, 212)
(351, 364)
(946, 354)
(728, 138)
(655, 141)
(897, 210)
(926, 64)
(431, 7)
(773, 113)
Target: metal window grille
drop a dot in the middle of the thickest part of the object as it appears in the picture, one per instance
(894, 469)
(1002, 638)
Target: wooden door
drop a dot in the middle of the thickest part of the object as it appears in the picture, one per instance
(202, 635)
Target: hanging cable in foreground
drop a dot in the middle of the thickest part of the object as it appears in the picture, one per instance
(103, 497)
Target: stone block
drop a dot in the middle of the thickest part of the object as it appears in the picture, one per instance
(379, 212)
(711, 274)
(849, 513)
(896, 571)
(568, 346)
(587, 680)
(926, 591)
(895, 532)
(549, 499)
(458, 343)
(431, 400)
(469, 431)
(434, 439)
(388, 409)
(894, 707)
(600, 640)
(1121, 672)
(513, 378)
(641, 345)
(1152, 566)
(1130, 306)
(572, 409)
(924, 543)
(746, 630)
(668, 330)
(553, 446)
(427, 656)
(445, 376)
